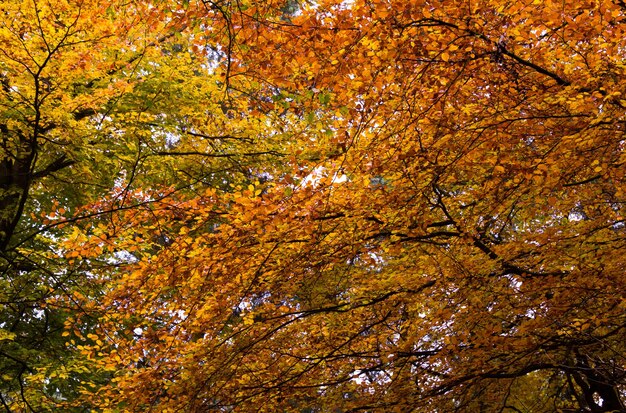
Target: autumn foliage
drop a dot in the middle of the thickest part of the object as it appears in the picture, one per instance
(321, 206)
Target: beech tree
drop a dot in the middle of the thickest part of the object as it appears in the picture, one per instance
(98, 99)
(450, 243)
(417, 206)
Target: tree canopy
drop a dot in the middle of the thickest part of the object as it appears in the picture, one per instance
(312, 206)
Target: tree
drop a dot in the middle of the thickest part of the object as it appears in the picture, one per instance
(98, 99)
(442, 234)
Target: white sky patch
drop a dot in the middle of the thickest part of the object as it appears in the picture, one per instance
(321, 172)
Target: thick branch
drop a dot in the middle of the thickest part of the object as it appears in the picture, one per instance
(500, 47)
(55, 166)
